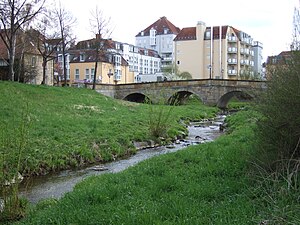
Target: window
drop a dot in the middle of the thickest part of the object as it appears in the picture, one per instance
(33, 61)
(117, 60)
(118, 74)
(207, 34)
(92, 73)
(77, 74)
(87, 74)
(81, 57)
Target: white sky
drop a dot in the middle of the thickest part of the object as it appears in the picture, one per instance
(267, 21)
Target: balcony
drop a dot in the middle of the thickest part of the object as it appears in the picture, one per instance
(232, 61)
(232, 72)
(245, 62)
(167, 59)
(232, 50)
(245, 51)
(248, 41)
(232, 39)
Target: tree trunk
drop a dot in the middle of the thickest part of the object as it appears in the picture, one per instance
(44, 70)
(12, 53)
(96, 67)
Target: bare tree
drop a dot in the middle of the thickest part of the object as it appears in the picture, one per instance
(296, 30)
(47, 39)
(65, 21)
(101, 29)
(13, 15)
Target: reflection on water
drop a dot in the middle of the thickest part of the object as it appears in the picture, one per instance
(56, 185)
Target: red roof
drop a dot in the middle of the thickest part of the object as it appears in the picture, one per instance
(189, 33)
(160, 26)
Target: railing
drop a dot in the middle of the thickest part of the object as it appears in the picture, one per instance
(232, 61)
(232, 72)
(232, 50)
(232, 39)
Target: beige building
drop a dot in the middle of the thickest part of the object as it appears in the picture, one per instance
(111, 68)
(28, 59)
(221, 52)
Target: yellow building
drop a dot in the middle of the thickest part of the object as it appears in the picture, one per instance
(220, 52)
(112, 68)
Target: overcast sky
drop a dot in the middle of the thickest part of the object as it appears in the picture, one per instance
(267, 21)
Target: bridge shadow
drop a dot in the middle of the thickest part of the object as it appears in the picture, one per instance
(233, 95)
(182, 98)
(137, 97)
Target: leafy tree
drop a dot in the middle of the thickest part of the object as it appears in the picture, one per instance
(172, 73)
(185, 76)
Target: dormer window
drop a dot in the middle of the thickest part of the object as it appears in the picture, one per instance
(207, 34)
(166, 30)
(142, 33)
(152, 32)
(81, 57)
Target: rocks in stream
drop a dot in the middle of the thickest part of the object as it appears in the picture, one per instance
(99, 168)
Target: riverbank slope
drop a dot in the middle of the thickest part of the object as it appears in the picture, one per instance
(213, 183)
(71, 127)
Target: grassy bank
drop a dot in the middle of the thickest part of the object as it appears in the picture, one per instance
(205, 184)
(71, 127)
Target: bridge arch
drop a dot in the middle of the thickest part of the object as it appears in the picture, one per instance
(241, 95)
(137, 97)
(180, 97)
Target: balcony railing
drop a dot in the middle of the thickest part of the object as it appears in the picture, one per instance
(232, 72)
(232, 50)
(232, 61)
(232, 39)
(244, 62)
(245, 51)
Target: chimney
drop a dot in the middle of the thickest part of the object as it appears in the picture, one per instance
(98, 36)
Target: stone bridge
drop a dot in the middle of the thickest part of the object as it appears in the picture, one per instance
(210, 91)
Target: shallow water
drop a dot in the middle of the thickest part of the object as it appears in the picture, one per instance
(56, 185)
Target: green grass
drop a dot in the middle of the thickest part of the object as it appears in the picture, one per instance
(70, 127)
(205, 184)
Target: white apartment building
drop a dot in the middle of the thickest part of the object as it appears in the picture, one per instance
(159, 36)
(258, 59)
(142, 61)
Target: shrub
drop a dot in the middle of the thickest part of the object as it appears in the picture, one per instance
(279, 129)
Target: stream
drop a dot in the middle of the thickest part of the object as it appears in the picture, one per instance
(57, 184)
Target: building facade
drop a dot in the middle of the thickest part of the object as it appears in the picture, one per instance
(112, 68)
(218, 52)
(141, 61)
(159, 36)
(29, 64)
(258, 59)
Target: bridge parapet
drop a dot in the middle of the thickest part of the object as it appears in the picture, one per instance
(210, 91)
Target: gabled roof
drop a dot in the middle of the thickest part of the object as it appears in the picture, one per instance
(90, 56)
(188, 33)
(160, 26)
(282, 58)
(26, 43)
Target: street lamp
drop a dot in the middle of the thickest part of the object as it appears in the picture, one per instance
(109, 74)
(209, 67)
